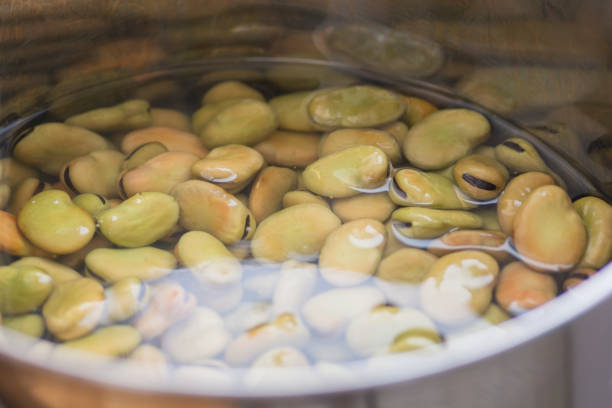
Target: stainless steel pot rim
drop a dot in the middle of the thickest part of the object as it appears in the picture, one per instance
(398, 368)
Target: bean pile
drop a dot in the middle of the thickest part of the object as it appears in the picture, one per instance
(317, 226)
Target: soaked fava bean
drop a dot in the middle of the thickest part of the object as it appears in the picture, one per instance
(231, 90)
(445, 136)
(355, 106)
(351, 253)
(489, 218)
(296, 232)
(142, 154)
(280, 357)
(92, 203)
(74, 308)
(128, 115)
(5, 195)
(398, 130)
(520, 156)
(416, 109)
(548, 232)
(330, 312)
(415, 222)
(521, 289)
(344, 138)
(400, 274)
(23, 288)
(12, 241)
(487, 151)
(77, 259)
(268, 190)
(51, 221)
(48, 147)
(576, 277)
(234, 121)
(377, 331)
(284, 330)
(480, 177)
(295, 285)
(208, 259)
(24, 192)
(172, 139)
(160, 174)
(140, 220)
(169, 303)
(201, 336)
(248, 315)
(115, 264)
(31, 324)
(124, 299)
(490, 242)
(515, 193)
(231, 167)
(291, 110)
(110, 341)
(58, 272)
(410, 187)
(207, 207)
(375, 206)
(289, 149)
(170, 118)
(94, 173)
(495, 314)
(345, 173)
(13, 172)
(149, 356)
(302, 197)
(459, 287)
(597, 217)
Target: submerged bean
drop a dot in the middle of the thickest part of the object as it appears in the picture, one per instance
(285, 330)
(345, 173)
(114, 264)
(597, 217)
(142, 154)
(515, 193)
(140, 220)
(542, 226)
(23, 288)
(330, 312)
(352, 252)
(386, 328)
(207, 207)
(296, 283)
(576, 277)
(302, 197)
(124, 299)
(297, 232)
(355, 106)
(459, 287)
(268, 190)
(416, 109)
(48, 147)
(291, 111)
(94, 173)
(344, 138)
(170, 118)
(520, 156)
(414, 222)
(521, 289)
(24, 192)
(490, 242)
(445, 136)
(230, 90)
(159, 174)
(110, 341)
(410, 187)
(241, 121)
(202, 336)
(172, 139)
(128, 115)
(29, 324)
(208, 259)
(375, 206)
(231, 167)
(74, 308)
(58, 272)
(51, 221)
(480, 177)
(168, 304)
(289, 149)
